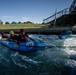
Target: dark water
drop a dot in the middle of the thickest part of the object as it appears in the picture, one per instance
(58, 60)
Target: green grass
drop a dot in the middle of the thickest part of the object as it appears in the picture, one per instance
(16, 26)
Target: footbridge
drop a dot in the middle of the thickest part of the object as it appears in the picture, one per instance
(64, 17)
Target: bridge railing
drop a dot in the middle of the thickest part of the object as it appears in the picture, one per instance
(56, 15)
(73, 5)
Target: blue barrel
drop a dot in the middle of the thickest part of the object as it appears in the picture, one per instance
(62, 36)
(67, 32)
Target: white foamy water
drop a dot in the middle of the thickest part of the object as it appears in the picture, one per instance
(52, 61)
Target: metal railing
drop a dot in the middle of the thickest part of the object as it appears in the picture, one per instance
(61, 13)
(56, 15)
(73, 5)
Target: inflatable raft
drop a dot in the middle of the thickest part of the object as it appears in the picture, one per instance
(25, 46)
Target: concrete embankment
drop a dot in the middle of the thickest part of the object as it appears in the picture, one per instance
(42, 30)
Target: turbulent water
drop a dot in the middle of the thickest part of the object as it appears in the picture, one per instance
(59, 59)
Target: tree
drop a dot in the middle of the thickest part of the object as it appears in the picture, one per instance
(1, 22)
(29, 22)
(24, 22)
(14, 22)
(19, 22)
(7, 23)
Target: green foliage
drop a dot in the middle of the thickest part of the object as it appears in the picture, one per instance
(7, 23)
(19, 22)
(16, 26)
(24, 22)
(29, 22)
(1, 22)
(12, 22)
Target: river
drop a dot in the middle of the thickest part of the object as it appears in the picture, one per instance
(60, 59)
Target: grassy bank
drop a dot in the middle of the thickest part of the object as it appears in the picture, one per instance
(18, 26)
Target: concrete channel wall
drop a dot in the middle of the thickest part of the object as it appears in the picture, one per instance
(41, 30)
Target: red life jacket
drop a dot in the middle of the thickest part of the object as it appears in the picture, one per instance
(4, 36)
(23, 38)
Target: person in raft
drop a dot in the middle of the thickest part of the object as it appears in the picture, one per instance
(4, 36)
(22, 37)
(13, 36)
